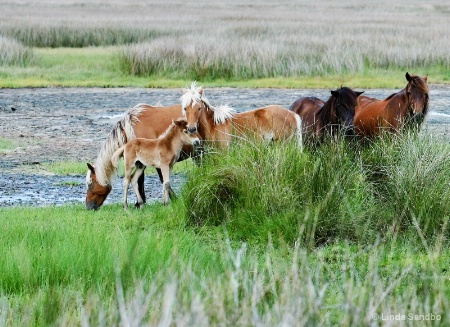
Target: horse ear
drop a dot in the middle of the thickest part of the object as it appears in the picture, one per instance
(200, 91)
(91, 168)
(359, 93)
(426, 78)
(408, 77)
(335, 93)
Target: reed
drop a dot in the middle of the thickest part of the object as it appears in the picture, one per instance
(267, 39)
(13, 53)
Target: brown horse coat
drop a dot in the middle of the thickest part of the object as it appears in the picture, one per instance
(141, 121)
(406, 108)
(321, 118)
(162, 152)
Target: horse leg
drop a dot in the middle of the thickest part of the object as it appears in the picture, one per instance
(140, 182)
(161, 179)
(126, 183)
(167, 190)
(134, 183)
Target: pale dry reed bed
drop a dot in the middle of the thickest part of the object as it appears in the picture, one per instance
(13, 52)
(233, 39)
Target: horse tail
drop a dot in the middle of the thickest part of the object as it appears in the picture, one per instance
(116, 156)
(121, 133)
(298, 121)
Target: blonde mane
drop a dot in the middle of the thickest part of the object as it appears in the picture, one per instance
(195, 94)
(119, 135)
(222, 113)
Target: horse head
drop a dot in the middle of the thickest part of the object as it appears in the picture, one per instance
(345, 100)
(186, 137)
(96, 193)
(193, 102)
(418, 98)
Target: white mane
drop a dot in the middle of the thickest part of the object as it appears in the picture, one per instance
(122, 132)
(196, 94)
(222, 113)
(193, 95)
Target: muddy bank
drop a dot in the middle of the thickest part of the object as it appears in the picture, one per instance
(70, 124)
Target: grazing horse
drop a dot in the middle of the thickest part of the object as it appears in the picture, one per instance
(220, 124)
(162, 153)
(142, 121)
(321, 118)
(404, 109)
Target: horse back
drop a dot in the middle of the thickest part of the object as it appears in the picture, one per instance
(153, 121)
(274, 121)
(306, 106)
(369, 116)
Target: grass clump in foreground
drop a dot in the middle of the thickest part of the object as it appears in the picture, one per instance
(324, 245)
(339, 191)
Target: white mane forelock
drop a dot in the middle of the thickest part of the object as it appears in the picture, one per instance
(222, 113)
(192, 95)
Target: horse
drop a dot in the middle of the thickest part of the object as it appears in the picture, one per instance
(141, 121)
(162, 153)
(404, 109)
(217, 125)
(321, 118)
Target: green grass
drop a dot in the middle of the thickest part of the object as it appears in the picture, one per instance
(68, 266)
(6, 144)
(99, 66)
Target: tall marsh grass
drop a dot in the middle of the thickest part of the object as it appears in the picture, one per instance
(239, 40)
(339, 191)
(14, 53)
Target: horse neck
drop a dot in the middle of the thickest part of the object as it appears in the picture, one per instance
(396, 100)
(325, 113)
(206, 124)
(171, 137)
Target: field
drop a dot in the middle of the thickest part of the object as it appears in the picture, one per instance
(344, 235)
(282, 44)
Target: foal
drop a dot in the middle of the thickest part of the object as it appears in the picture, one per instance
(162, 153)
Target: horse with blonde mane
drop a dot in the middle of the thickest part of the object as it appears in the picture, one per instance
(161, 153)
(142, 121)
(218, 125)
(404, 109)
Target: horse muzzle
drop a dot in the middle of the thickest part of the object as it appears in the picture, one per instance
(92, 206)
(349, 130)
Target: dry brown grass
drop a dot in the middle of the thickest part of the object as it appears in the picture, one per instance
(250, 39)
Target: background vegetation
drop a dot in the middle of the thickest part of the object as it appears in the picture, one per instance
(229, 42)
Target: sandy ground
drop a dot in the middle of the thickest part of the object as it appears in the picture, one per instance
(70, 124)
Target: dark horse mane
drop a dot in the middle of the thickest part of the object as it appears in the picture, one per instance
(347, 98)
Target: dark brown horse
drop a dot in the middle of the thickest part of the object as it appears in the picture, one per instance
(404, 109)
(321, 118)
